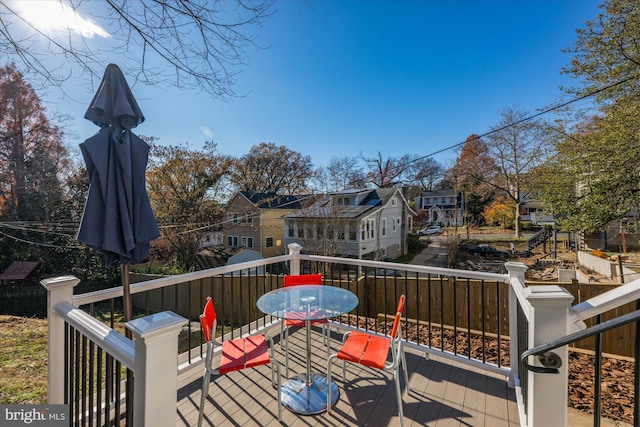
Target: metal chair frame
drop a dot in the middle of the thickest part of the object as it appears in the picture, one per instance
(372, 350)
(236, 354)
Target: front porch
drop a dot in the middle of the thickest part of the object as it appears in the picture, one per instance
(444, 393)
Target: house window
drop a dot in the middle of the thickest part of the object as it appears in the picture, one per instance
(291, 231)
(384, 227)
(247, 218)
(268, 242)
(232, 217)
(393, 202)
(232, 241)
(367, 229)
(247, 242)
(393, 224)
(352, 233)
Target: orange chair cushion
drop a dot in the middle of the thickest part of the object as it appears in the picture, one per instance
(243, 353)
(368, 350)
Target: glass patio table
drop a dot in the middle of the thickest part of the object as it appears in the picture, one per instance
(307, 393)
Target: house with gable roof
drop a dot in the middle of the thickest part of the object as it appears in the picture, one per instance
(363, 224)
(441, 207)
(254, 221)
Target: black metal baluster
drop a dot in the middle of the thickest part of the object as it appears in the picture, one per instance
(429, 311)
(108, 387)
(99, 388)
(499, 323)
(469, 318)
(83, 360)
(441, 314)
(75, 380)
(118, 380)
(484, 322)
(455, 315)
(597, 376)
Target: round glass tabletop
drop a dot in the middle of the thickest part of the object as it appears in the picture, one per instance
(307, 302)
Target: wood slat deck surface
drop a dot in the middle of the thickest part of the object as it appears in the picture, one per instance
(443, 393)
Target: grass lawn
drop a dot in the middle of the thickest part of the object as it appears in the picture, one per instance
(23, 360)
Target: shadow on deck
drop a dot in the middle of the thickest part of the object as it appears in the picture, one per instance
(443, 393)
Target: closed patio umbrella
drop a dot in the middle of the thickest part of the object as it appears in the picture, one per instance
(118, 220)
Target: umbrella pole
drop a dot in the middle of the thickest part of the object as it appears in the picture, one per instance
(126, 296)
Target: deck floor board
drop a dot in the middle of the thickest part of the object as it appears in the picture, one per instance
(443, 393)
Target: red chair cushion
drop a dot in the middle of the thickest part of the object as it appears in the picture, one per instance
(243, 353)
(303, 279)
(301, 315)
(368, 350)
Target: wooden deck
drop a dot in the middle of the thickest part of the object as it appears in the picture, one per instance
(444, 393)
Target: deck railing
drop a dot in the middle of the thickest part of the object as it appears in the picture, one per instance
(486, 320)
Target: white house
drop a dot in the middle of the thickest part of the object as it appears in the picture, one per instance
(363, 224)
(442, 207)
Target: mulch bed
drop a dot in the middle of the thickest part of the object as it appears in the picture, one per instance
(617, 374)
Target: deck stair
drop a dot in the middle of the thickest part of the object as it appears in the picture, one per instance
(539, 238)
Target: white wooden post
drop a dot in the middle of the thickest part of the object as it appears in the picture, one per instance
(59, 289)
(294, 264)
(547, 393)
(156, 368)
(516, 274)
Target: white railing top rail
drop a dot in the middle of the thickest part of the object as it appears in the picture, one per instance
(602, 303)
(114, 343)
(115, 292)
(437, 271)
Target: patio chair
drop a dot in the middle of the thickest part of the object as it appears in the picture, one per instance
(295, 280)
(372, 350)
(236, 354)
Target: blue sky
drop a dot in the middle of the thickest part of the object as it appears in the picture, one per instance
(344, 78)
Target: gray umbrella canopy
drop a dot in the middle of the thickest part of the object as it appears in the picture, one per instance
(117, 220)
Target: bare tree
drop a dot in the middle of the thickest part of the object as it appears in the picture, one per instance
(344, 173)
(389, 172)
(516, 146)
(426, 172)
(188, 44)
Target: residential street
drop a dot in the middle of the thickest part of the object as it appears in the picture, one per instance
(435, 255)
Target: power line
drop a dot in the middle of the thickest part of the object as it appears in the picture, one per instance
(46, 245)
(533, 116)
(228, 221)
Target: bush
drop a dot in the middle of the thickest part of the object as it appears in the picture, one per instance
(414, 244)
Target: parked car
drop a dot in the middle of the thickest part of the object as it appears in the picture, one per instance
(434, 229)
(485, 250)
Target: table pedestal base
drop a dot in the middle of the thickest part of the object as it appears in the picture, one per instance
(308, 399)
